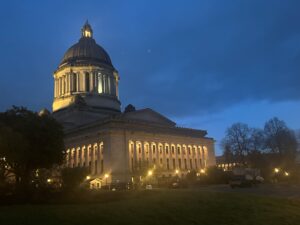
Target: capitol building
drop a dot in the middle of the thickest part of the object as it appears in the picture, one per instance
(113, 144)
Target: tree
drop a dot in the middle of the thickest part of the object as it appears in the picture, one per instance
(237, 141)
(280, 140)
(29, 141)
(73, 177)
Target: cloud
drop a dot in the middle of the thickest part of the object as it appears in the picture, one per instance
(203, 64)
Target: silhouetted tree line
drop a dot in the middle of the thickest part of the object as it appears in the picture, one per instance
(273, 146)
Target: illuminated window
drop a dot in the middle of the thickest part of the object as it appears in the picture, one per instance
(173, 149)
(167, 149)
(87, 33)
(178, 150)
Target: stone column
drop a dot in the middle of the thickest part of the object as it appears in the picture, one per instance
(81, 156)
(143, 153)
(157, 154)
(92, 80)
(98, 159)
(164, 157)
(188, 157)
(78, 82)
(151, 153)
(134, 152)
(93, 160)
(86, 157)
(176, 157)
(117, 88)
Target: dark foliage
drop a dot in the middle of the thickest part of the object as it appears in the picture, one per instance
(28, 142)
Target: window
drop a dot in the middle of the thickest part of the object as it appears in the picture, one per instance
(179, 163)
(160, 161)
(132, 167)
(90, 166)
(154, 161)
(200, 162)
(173, 149)
(168, 167)
(74, 82)
(178, 150)
(184, 150)
(196, 164)
(102, 166)
(190, 150)
(185, 165)
(160, 149)
(167, 149)
(140, 163)
(139, 148)
(153, 149)
(191, 164)
(173, 163)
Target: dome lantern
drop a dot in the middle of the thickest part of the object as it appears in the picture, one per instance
(86, 30)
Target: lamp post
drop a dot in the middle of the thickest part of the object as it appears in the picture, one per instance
(106, 176)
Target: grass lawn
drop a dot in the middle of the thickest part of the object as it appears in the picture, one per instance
(159, 207)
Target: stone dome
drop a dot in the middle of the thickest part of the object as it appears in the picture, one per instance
(86, 51)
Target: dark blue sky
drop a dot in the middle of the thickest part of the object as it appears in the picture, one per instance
(205, 64)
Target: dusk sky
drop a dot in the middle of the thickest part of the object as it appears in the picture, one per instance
(204, 64)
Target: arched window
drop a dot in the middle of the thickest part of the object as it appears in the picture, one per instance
(87, 82)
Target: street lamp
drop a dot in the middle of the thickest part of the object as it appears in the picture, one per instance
(286, 173)
(88, 177)
(106, 176)
(49, 180)
(202, 171)
(177, 172)
(276, 170)
(150, 173)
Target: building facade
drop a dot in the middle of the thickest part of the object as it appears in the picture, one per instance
(115, 145)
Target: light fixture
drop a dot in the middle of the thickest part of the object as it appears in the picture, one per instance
(276, 170)
(150, 173)
(286, 173)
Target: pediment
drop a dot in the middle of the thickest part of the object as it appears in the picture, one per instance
(149, 115)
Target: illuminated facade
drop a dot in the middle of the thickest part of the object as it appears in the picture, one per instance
(115, 145)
